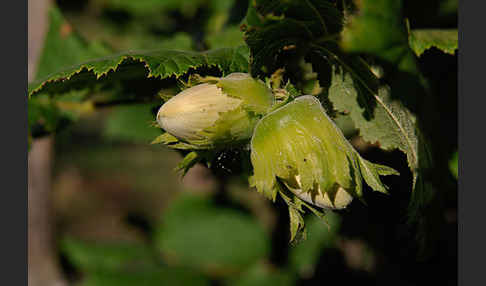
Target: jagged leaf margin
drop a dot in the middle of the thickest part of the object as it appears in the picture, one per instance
(388, 122)
(132, 65)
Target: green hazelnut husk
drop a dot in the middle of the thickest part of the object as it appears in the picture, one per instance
(219, 112)
(301, 147)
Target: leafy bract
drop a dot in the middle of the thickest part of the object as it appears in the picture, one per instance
(424, 39)
(299, 139)
(303, 258)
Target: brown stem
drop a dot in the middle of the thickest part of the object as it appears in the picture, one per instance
(43, 267)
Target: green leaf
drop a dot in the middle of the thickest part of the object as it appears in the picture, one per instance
(448, 7)
(122, 263)
(178, 41)
(297, 225)
(218, 241)
(423, 39)
(172, 142)
(277, 32)
(188, 162)
(103, 256)
(371, 171)
(454, 165)
(298, 231)
(146, 277)
(378, 28)
(229, 37)
(141, 65)
(220, 11)
(47, 115)
(131, 123)
(303, 257)
(262, 274)
(381, 119)
(64, 47)
(188, 7)
(42, 114)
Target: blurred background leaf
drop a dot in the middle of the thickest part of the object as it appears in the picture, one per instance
(215, 240)
(454, 165)
(262, 275)
(132, 123)
(107, 256)
(64, 47)
(146, 277)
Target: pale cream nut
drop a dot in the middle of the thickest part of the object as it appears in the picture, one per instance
(342, 199)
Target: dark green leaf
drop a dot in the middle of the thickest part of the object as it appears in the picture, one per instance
(278, 32)
(448, 7)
